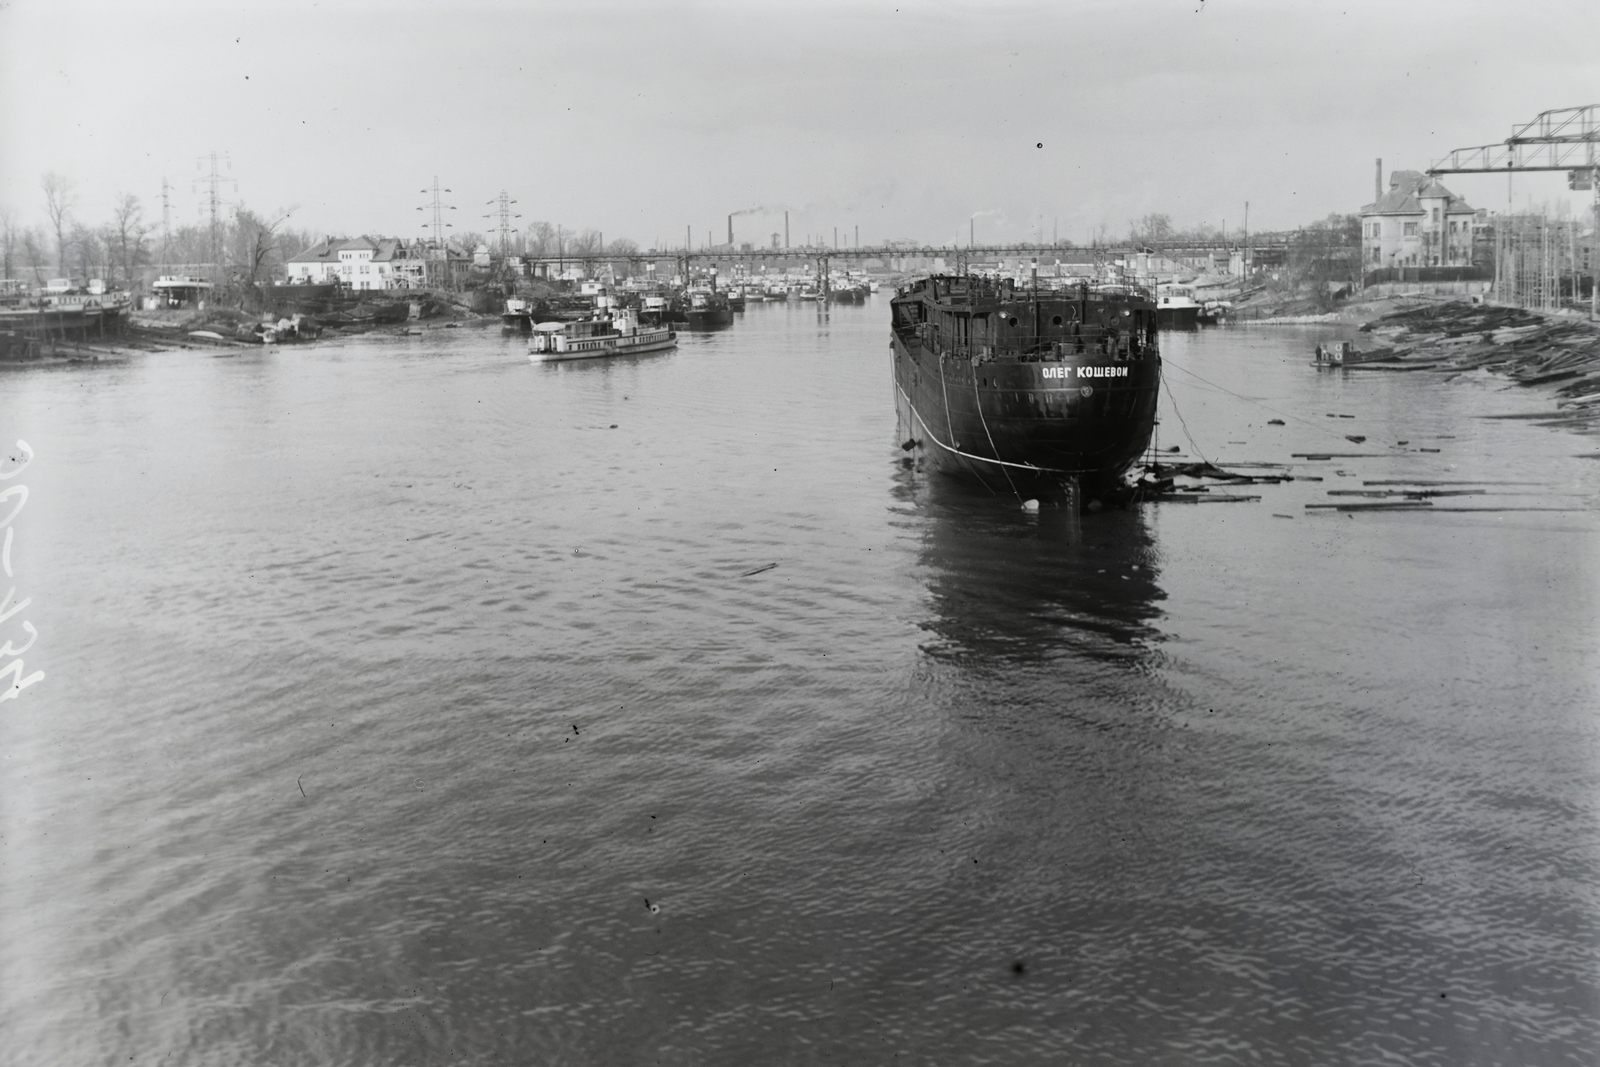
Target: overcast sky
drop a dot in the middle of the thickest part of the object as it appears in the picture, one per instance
(639, 119)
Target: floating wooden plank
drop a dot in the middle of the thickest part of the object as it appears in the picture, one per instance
(1396, 505)
(1201, 498)
(1407, 492)
(1474, 481)
(1545, 379)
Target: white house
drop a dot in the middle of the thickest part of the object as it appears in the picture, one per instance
(1417, 223)
(361, 263)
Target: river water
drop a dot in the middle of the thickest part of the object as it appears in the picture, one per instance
(409, 703)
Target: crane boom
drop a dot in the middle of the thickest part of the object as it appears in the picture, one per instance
(1535, 155)
(1560, 124)
(1560, 139)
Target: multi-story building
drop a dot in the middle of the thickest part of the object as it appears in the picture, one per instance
(362, 263)
(1416, 223)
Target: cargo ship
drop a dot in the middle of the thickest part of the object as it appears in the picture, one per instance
(1036, 391)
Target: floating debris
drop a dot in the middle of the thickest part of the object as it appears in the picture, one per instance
(1415, 493)
(1391, 505)
(1476, 481)
(1528, 348)
(1207, 498)
(1338, 455)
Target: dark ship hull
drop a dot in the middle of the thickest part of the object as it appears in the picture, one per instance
(1038, 394)
(1178, 318)
(707, 318)
(704, 310)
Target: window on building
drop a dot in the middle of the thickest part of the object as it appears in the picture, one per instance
(1411, 229)
(1435, 214)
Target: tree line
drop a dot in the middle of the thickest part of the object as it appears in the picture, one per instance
(244, 244)
(250, 247)
(245, 247)
(1157, 231)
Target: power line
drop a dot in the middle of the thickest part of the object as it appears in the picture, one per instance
(505, 215)
(213, 183)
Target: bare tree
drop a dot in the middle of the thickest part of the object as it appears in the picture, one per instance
(189, 245)
(1154, 229)
(89, 250)
(127, 234)
(256, 240)
(58, 206)
(540, 238)
(38, 255)
(10, 241)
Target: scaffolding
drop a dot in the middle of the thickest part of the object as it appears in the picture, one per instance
(1531, 260)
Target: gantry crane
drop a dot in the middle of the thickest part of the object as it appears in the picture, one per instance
(1566, 138)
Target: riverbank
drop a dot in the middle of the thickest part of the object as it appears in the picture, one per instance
(219, 328)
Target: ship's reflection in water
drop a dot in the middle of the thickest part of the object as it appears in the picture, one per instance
(1008, 588)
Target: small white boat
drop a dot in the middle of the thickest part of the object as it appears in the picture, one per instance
(620, 335)
(1176, 307)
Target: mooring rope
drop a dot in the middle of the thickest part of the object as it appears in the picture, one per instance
(978, 400)
(1250, 400)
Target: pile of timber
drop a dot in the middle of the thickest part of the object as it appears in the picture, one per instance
(1528, 348)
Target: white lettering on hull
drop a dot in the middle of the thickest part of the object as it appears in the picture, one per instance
(1086, 372)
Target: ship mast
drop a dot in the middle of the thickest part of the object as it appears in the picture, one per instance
(1036, 302)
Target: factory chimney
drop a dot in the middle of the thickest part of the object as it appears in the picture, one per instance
(1377, 182)
(730, 231)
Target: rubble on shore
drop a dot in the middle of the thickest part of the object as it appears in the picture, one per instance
(232, 328)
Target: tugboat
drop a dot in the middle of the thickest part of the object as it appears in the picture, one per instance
(1039, 392)
(655, 309)
(1176, 308)
(518, 315)
(706, 307)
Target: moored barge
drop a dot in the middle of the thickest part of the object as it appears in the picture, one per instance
(1034, 391)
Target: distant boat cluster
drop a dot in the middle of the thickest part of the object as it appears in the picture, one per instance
(637, 317)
